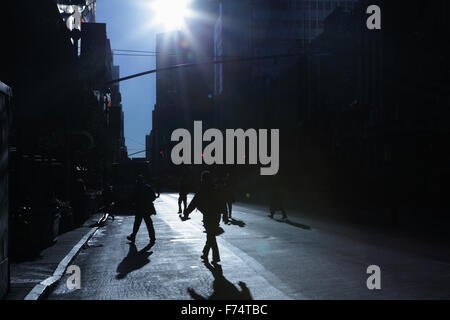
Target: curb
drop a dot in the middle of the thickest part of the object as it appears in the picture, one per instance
(44, 287)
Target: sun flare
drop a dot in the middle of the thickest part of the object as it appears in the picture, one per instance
(170, 14)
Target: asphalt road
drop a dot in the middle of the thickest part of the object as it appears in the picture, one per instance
(262, 258)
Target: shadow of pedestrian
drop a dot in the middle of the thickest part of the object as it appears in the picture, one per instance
(223, 289)
(133, 261)
(239, 223)
(295, 224)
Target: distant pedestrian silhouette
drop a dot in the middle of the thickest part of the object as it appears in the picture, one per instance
(228, 197)
(207, 201)
(144, 208)
(79, 201)
(183, 191)
(108, 201)
(276, 202)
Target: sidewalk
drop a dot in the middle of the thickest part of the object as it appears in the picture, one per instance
(27, 274)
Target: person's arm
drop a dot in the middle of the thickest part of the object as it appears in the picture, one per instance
(152, 192)
(192, 206)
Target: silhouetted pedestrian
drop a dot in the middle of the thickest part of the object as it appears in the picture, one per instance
(108, 201)
(207, 201)
(144, 208)
(228, 195)
(183, 191)
(276, 203)
(79, 201)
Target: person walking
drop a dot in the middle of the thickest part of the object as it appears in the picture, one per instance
(108, 201)
(79, 202)
(182, 193)
(144, 208)
(229, 197)
(207, 201)
(277, 203)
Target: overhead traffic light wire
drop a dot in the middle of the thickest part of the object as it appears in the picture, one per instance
(187, 65)
(132, 154)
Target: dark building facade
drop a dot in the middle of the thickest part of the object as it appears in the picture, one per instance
(258, 29)
(182, 95)
(264, 93)
(41, 65)
(97, 62)
(59, 130)
(361, 112)
(252, 94)
(116, 132)
(77, 12)
(96, 55)
(148, 147)
(5, 118)
(116, 119)
(373, 105)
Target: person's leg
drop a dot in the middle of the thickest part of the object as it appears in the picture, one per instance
(284, 213)
(104, 214)
(230, 208)
(137, 224)
(109, 211)
(205, 251)
(214, 247)
(206, 248)
(150, 228)
(225, 217)
(179, 204)
(184, 202)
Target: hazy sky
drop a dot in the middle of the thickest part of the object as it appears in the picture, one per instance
(129, 27)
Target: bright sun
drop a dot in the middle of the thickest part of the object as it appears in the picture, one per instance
(170, 14)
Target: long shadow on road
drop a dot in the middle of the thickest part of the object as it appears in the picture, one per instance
(223, 289)
(135, 260)
(294, 224)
